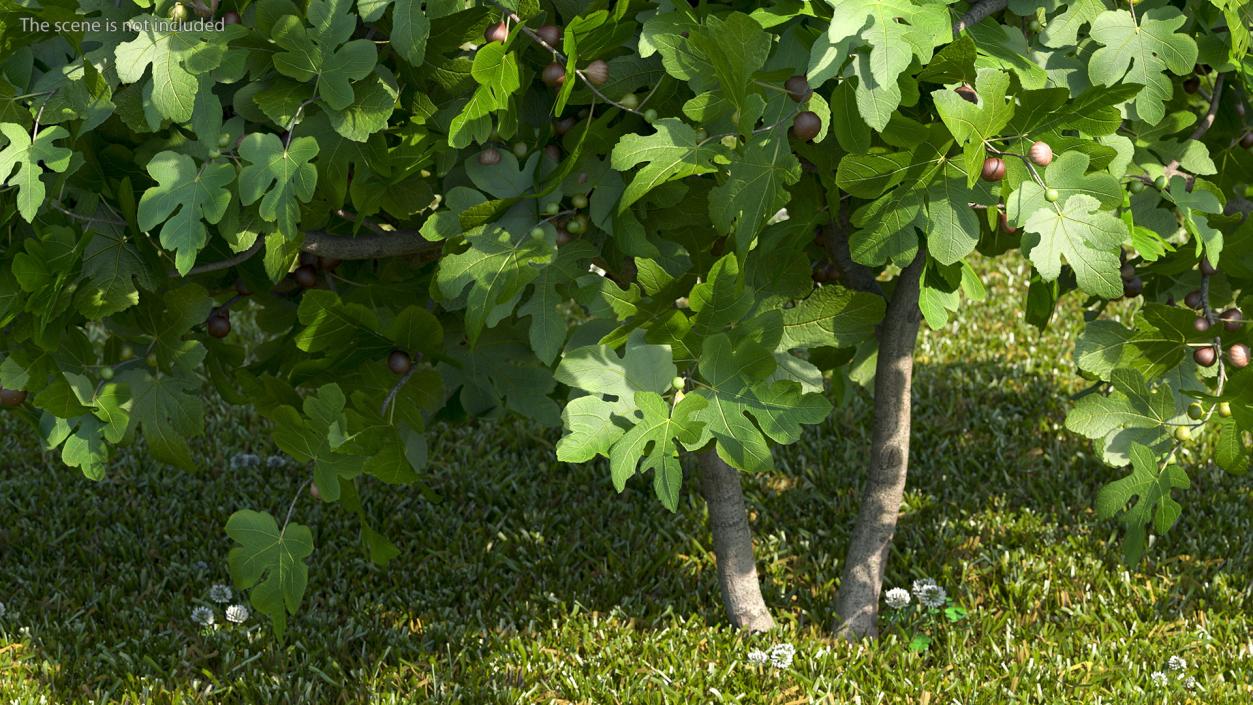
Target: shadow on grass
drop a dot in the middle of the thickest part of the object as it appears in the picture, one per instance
(105, 575)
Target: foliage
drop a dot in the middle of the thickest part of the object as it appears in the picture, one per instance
(375, 179)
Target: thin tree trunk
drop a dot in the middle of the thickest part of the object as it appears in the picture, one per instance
(862, 579)
(733, 544)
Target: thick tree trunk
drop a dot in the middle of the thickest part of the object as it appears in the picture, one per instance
(733, 544)
(862, 579)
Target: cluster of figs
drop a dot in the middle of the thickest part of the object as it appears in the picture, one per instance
(1232, 319)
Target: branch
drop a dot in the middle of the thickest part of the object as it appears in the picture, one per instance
(226, 263)
(1207, 121)
(979, 10)
(857, 276)
(398, 243)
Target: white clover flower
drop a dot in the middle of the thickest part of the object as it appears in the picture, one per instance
(203, 616)
(897, 598)
(1190, 683)
(245, 460)
(1159, 679)
(931, 595)
(200, 566)
(220, 594)
(781, 655)
(275, 461)
(758, 656)
(1176, 663)
(237, 614)
(922, 584)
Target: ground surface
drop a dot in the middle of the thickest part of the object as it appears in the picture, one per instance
(531, 581)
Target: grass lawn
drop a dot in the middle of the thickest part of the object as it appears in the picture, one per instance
(533, 582)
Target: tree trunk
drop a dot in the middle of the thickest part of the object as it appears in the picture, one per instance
(862, 579)
(733, 544)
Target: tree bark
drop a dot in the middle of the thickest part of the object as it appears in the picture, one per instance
(733, 544)
(862, 578)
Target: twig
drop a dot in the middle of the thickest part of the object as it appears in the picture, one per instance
(976, 13)
(87, 218)
(1207, 121)
(391, 396)
(227, 263)
(291, 507)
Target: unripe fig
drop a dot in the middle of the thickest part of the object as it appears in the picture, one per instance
(1191, 85)
(798, 88)
(1206, 356)
(993, 169)
(1201, 325)
(538, 233)
(218, 325)
(551, 208)
(12, 398)
(306, 275)
(553, 74)
(1136, 186)
(650, 115)
(1193, 299)
(1195, 410)
(1051, 195)
(489, 156)
(1231, 319)
(1133, 287)
(520, 149)
(152, 361)
(106, 373)
(597, 73)
(678, 383)
(1238, 355)
(1224, 409)
(806, 125)
(967, 93)
(630, 101)
(127, 352)
(1035, 26)
(578, 224)
(498, 32)
(579, 201)
(1207, 269)
(1183, 434)
(1041, 153)
(551, 34)
(179, 13)
(399, 362)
